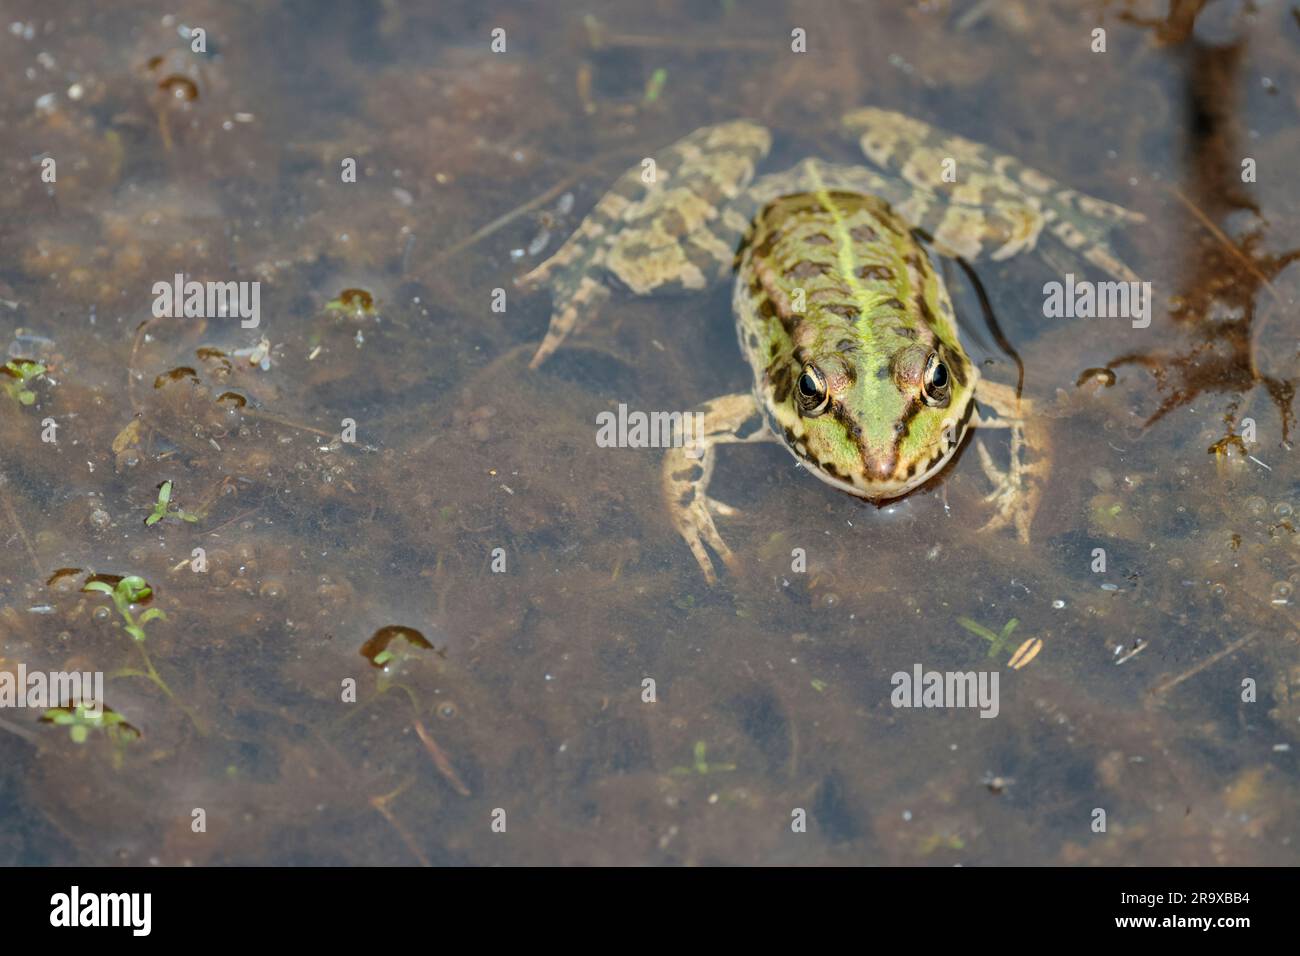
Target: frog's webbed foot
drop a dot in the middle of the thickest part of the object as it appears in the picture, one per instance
(1017, 491)
(975, 201)
(666, 225)
(688, 467)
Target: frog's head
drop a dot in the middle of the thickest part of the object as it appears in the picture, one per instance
(876, 422)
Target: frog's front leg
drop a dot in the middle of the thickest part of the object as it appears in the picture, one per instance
(688, 466)
(1018, 491)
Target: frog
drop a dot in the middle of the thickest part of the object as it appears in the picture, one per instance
(850, 332)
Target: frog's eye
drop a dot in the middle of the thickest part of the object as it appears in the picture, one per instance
(812, 391)
(936, 385)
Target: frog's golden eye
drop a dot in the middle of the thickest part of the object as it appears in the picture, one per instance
(813, 396)
(936, 383)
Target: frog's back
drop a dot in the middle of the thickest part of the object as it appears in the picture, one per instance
(854, 260)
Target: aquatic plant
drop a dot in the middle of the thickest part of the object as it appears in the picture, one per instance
(996, 641)
(80, 723)
(700, 763)
(391, 649)
(1022, 655)
(126, 592)
(129, 590)
(162, 507)
(19, 372)
(352, 303)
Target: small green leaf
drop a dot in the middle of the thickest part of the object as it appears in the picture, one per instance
(701, 765)
(655, 85)
(98, 586)
(978, 629)
(153, 519)
(152, 614)
(164, 493)
(78, 733)
(134, 588)
(135, 631)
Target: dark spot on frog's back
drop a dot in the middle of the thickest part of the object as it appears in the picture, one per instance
(863, 233)
(850, 312)
(879, 273)
(806, 269)
(819, 239)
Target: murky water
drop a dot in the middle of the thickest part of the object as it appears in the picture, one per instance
(409, 603)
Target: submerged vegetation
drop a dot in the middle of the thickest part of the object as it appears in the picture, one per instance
(163, 507)
(127, 592)
(18, 373)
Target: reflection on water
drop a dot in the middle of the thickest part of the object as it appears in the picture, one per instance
(408, 611)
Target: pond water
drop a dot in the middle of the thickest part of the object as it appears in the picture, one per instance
(414, 613)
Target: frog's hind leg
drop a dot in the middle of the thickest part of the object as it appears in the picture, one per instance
(664, 226)
(995, 205)
(688, 467)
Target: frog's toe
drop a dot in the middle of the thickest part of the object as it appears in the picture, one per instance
(692, 510)
(694, 522)
(573, 310)
(722, 509)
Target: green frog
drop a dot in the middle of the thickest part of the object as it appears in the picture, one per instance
(849, 331)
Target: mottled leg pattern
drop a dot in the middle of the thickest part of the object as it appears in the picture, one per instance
(672, 234)
(1018, 491)
(689, 466)
(996, 204)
